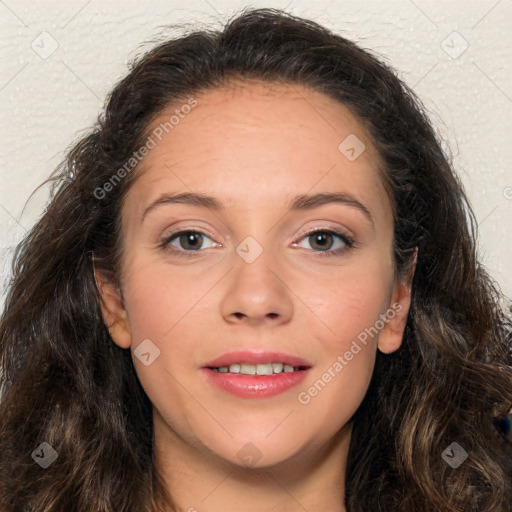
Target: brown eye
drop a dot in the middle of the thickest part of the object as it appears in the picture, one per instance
(327, 242)
(321, 240)
(186, 241)
(191, 240)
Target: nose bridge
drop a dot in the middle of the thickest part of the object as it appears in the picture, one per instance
(253, 262)
(256, 289)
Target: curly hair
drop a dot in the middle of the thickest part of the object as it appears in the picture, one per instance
(64, 381)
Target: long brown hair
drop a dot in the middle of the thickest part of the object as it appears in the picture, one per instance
(64, 382)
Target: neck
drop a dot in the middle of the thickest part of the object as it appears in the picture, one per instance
(201, 481)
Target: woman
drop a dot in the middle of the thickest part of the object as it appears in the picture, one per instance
(256, 288)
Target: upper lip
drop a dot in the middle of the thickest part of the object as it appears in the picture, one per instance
(256, 357)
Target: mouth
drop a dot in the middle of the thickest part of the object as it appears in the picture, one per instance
(256, 374)
(258, 369)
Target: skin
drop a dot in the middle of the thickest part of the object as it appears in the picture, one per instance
(254, 147)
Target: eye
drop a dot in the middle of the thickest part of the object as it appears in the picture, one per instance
(324, 241)
(190, 242)
(186, 241)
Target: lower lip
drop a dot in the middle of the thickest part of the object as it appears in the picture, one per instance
(254, 386)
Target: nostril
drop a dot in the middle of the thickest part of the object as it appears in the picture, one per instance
(241, 315)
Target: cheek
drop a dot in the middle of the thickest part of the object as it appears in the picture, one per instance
(159, 307)
(350, 305)
(171, 310)
(158, 299)
(349, 302)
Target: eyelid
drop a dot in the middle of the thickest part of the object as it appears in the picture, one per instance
(193, 229)
(328, 228)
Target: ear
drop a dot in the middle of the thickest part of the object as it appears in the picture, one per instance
(391, 336)
(113, 310)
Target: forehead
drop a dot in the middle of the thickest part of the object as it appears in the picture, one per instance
(251, 143)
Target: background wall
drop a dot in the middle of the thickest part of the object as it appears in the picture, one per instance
(58, 60)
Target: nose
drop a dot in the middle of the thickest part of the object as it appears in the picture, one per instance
(257, 293)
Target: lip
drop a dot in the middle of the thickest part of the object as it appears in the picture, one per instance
(256, 357)
(255, 386)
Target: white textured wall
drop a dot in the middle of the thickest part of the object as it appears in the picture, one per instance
(52, 87)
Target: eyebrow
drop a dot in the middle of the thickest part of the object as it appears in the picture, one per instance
(300, 202)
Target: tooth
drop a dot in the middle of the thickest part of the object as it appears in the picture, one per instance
(278, 367)
(264, 369)
(257, 369)
(248, 369)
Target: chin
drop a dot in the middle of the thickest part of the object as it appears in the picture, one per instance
(258, 452)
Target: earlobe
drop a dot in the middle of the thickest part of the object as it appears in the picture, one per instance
(113, 310)
(391, 336)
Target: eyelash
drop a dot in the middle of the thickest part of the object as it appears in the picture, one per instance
(348, 241)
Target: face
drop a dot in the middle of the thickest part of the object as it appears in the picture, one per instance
(256, 271)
